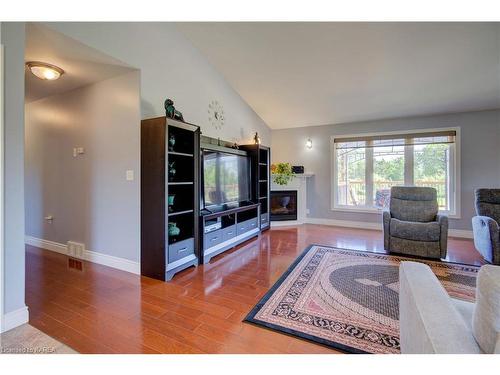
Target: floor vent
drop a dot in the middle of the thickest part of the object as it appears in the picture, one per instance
(75, 264)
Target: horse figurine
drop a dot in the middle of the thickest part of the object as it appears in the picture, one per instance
(172, 112)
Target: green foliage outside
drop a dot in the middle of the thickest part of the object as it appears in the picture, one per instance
(430, 169)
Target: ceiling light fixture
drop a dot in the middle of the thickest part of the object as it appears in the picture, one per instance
(44, 71)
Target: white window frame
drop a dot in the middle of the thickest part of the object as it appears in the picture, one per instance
(455, 178)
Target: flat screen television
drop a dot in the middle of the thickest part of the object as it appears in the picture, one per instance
(226, 178)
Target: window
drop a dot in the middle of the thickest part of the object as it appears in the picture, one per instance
(366, 167)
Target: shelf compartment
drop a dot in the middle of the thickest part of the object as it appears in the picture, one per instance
(180, 168)
(182, 197)
(183, 139)
(263, 188)
(185, 223)
(246, 215)
(263, 172)
(263, 155)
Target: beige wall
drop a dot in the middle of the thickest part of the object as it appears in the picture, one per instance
(87, 195)
(480, 157)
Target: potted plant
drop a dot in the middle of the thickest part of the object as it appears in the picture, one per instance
(282, 173)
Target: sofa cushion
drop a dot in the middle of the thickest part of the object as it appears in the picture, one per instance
(486, 317)
(466, 310)
(426, 249)
(415, 231)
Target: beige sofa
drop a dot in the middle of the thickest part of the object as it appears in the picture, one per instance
(433, 322)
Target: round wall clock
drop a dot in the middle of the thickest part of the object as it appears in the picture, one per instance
(216, 114)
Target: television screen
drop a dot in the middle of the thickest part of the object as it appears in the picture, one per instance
(226, 178)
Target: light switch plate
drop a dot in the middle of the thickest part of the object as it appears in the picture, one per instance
(129, 175)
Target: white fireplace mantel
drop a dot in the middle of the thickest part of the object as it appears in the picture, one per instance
(298, 183)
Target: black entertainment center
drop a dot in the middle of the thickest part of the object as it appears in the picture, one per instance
(199, 196)
(227, 228)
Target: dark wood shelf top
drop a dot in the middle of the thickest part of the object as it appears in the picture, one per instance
(180, 213)
(181, 183)
(230, 211)
(180, 154)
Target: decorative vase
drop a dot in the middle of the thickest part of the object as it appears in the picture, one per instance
(171, 142)
(284, 201)
(171, 170)
(173, 229)
(171, 198)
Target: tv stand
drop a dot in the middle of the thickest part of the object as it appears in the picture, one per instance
(234, 226)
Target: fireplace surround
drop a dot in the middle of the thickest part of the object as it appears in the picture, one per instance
(298, 183)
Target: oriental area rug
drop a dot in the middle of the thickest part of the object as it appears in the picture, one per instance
(347, 299)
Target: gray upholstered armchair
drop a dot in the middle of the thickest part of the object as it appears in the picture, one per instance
(412, 225)
(485, 225)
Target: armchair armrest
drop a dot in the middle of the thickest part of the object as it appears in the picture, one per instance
(487, 238)
(443, 240)
(429, 322)
(386, 217)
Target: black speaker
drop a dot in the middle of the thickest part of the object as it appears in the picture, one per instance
(298, 169)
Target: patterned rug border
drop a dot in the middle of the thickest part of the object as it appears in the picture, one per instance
(250, 318)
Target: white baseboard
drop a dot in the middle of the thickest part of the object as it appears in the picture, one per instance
(345, 223)
(113, 262)
(15, 319)
(46, 244)
(459, 233)
(91, 256)
(285, 223)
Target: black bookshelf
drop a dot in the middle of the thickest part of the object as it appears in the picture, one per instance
(169, 197)
(261, 179)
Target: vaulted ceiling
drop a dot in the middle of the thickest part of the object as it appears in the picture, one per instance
(305, 74)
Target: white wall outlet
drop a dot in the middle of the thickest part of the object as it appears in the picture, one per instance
(75, 249)
(129, 175)
(308, 211)
(78, 151)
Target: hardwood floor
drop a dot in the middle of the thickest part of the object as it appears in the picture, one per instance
(103, 310)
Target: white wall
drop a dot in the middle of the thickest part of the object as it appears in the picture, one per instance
(171, 67)
(480, 157)
(12, 35)
(92, 202)
(87, 195)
